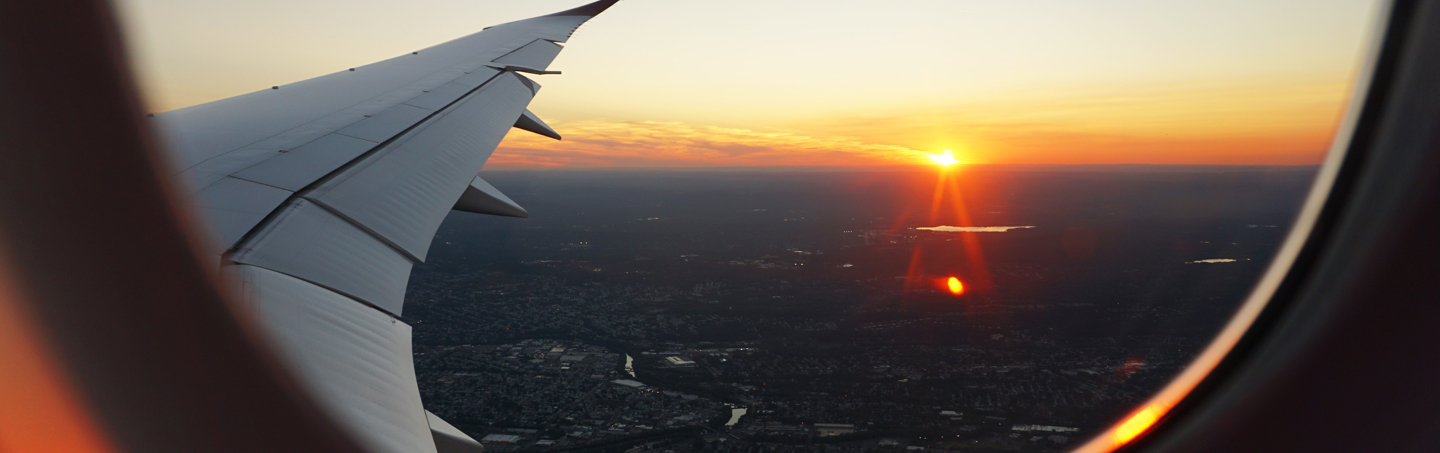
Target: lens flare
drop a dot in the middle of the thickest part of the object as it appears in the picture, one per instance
(946, 158)
(956, 287)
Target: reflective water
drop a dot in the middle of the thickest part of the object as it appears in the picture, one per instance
(956, 229)
(735, 414)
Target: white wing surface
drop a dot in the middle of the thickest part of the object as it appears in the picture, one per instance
(322, 194)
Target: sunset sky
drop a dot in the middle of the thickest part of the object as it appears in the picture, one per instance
(682, 83)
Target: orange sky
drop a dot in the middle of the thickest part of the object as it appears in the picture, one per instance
(660, 83)
(1282, 122)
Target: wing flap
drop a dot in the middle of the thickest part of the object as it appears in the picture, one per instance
(355, 360)
(306, 241)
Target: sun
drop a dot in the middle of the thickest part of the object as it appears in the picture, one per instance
(946, 158)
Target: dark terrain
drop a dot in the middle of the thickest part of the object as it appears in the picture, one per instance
(809, 297)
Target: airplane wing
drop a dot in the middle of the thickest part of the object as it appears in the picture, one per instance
(322, 194)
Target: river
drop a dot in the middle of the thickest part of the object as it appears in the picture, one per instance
(735, 412)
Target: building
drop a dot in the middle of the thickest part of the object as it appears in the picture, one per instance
(1053, 429)
(500, 438)
(834, 429)
(679, 362)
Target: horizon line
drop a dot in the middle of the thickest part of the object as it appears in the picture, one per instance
(863, 168)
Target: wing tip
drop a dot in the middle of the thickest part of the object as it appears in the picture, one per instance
(591, 9)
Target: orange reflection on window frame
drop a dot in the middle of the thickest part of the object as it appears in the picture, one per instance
(42, 409)
(1137, 424)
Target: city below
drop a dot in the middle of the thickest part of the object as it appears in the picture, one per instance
(809, 311)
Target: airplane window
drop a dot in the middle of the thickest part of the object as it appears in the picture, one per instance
(837, 227)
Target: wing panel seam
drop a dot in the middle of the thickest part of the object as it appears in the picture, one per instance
(287, 199)
(517, 49)
(475, 61)
(304, 192)
(367, 230)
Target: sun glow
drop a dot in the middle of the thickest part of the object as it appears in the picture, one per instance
(946, 158)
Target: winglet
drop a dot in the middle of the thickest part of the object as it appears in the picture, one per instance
(591, 9)
(529, 122)
(483, 198)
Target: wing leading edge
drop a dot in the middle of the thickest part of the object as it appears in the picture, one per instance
(323, 193)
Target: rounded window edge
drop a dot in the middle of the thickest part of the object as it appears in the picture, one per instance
(1255, 314)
